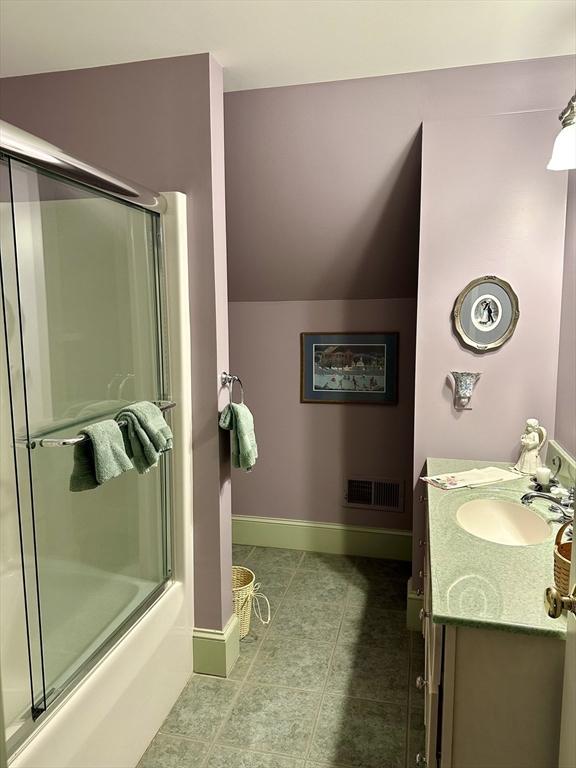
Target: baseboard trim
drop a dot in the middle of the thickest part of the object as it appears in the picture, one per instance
(322, 537)
(216, 651)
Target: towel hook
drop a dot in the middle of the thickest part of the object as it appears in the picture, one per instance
(228, 380)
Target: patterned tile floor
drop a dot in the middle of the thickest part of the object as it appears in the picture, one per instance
(328, 683)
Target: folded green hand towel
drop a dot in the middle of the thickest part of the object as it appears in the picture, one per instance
(237, 418)
(146, 435)
(100, 457)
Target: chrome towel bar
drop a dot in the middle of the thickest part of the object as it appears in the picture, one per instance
(63, 442)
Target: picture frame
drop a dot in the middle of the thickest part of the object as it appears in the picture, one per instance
(485, 313)
(349, 368)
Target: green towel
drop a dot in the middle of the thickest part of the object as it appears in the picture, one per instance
(99, 458)
(146, 435)
(237, 418)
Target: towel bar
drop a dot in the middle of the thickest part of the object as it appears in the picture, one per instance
(63, 442)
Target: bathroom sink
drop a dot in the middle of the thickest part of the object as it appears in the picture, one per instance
(503, 522)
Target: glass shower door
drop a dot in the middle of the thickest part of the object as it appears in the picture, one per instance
(84, 288)
(20, 632)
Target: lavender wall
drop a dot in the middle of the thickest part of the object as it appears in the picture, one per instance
(489, 207)
(566, 392)
(307, 451)
(323, 200)
(322, 181)
(161, 123)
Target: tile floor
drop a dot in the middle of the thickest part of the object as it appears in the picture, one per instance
(329, 682)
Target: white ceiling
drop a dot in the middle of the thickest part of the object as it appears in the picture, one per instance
(264, 43)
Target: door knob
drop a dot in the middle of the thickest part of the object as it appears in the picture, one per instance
(556, 603)
(421, 759)
(423, 614)
(421, 682)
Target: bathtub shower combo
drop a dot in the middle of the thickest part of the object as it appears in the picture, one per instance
(84, 329)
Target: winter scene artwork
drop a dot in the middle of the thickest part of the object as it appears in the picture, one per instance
(349, 368)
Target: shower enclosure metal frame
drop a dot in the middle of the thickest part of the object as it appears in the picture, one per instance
(25, 148)
(31, 149)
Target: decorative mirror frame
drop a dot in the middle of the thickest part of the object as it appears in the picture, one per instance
(457, 314)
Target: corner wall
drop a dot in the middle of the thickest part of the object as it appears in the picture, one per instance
(489, 207)
(160, 122)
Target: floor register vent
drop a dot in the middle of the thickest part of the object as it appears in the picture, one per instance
(375, 493)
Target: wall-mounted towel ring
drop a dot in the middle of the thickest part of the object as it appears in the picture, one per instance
(228, 380)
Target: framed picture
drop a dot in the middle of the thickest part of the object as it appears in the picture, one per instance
(349, 368)
(486, 313)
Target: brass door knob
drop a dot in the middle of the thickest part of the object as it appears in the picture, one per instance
(556, 603)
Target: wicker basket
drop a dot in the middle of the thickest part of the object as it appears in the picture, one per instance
(243, 580)
(562, 556)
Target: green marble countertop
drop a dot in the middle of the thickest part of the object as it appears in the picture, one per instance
(479, 583)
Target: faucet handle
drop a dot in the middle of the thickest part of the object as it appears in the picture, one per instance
(565, 496)
(568, 495)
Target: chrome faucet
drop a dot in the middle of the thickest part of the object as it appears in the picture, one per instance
(564, 504)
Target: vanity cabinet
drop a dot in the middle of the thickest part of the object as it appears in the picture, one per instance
(492, 697)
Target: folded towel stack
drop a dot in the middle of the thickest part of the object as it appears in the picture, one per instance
(107, 452)
(147, 434)
(237, 418)
(100, 457)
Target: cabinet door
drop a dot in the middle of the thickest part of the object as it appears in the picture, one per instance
(433, 640)
(432, 634)
(431, 717)
(433, 659)
(568, 731)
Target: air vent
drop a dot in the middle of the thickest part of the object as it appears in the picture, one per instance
(386, 495)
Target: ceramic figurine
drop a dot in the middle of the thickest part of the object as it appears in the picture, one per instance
(532, 440)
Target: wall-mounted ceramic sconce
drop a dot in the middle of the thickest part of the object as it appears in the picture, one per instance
(464, 383)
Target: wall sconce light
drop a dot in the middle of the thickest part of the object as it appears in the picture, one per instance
(464, 383)
(564, 151)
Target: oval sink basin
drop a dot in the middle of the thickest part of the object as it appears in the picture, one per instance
(503, 522)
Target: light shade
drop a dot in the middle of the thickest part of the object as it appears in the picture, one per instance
(564, 151)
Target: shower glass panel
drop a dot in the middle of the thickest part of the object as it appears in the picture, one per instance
(20, 646)
(83, 286)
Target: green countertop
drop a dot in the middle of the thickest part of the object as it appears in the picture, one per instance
(479, 583)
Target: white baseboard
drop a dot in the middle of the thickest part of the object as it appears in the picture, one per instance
(322, 537)
(216, 651)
